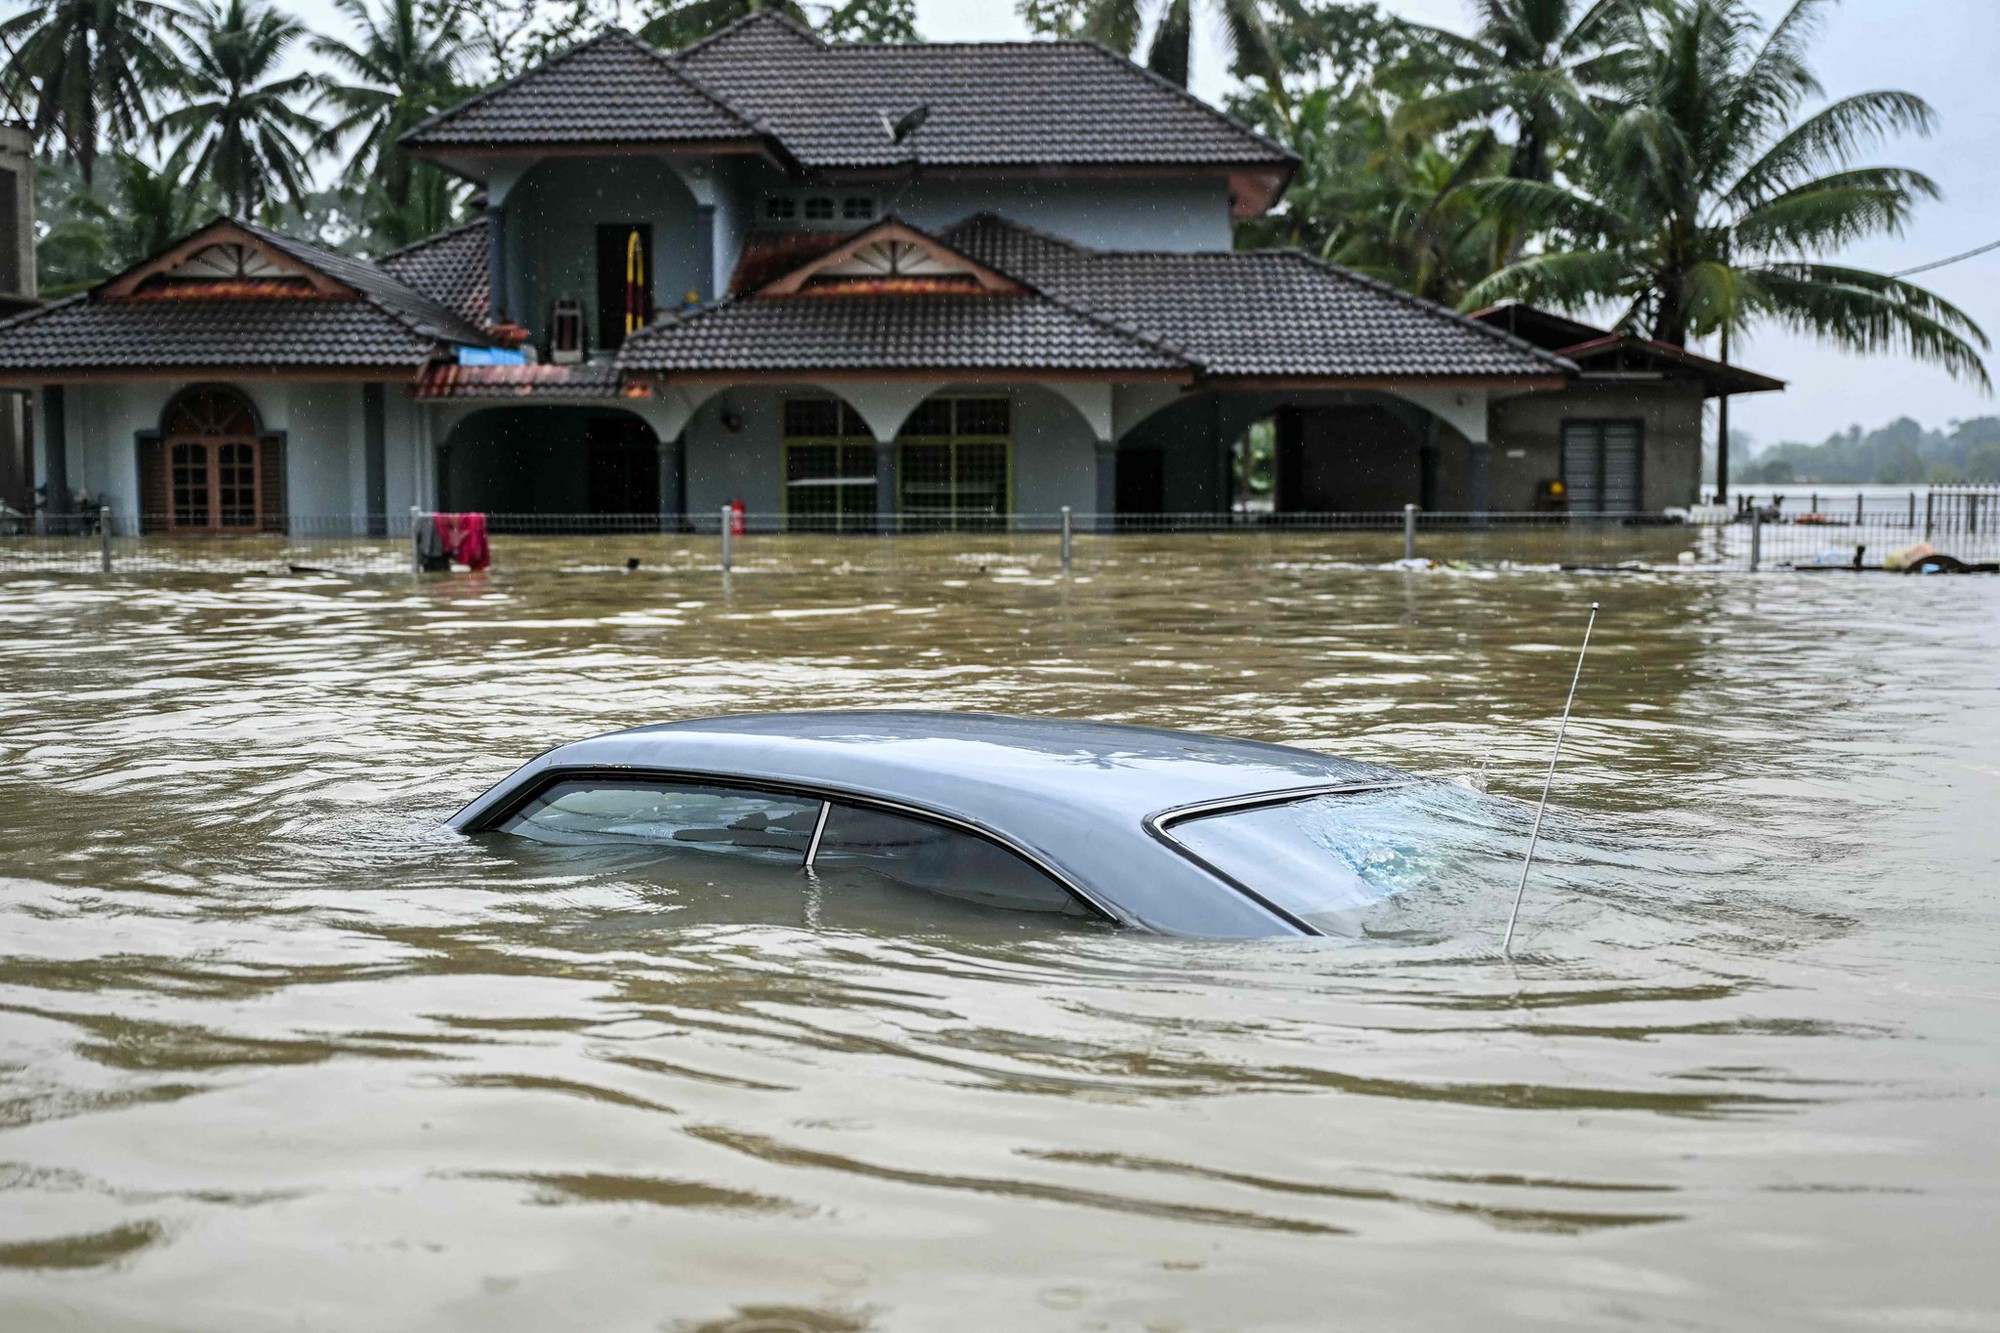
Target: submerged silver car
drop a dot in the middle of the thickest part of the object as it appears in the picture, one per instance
(1165, 831)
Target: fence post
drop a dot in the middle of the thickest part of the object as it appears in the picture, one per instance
(1756, 538)
(416, 541)
(1409, 532)
(104, 537)
(1930, 513)
(1971, 514)
(1913, 511)
(1857, 508)
(1066, 538)
(728, 512)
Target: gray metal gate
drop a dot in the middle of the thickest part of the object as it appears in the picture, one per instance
(1602, 473)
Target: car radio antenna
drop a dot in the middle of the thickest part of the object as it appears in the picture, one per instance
(1507, 945)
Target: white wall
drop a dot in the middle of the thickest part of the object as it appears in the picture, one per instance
(1178, 214)
(325, 460)
(1055, 455)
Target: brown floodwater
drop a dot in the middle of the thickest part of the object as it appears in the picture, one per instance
(275, 1051)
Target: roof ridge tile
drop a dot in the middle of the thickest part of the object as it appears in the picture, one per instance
(755, 16)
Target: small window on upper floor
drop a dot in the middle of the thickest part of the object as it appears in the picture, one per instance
(819, 208)
(857, 208)
(780, 208)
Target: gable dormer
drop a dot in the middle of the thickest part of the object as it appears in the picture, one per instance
(890, 258)
(224, 261)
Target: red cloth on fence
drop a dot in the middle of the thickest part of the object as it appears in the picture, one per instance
(463, 537)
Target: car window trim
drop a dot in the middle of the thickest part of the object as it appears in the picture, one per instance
(1160, 824)
(826, 796)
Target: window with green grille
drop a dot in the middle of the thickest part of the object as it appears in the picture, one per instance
(954, 465)
(829, 468)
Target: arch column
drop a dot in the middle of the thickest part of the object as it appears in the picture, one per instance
(1464, 410)
(884, 405)
(668, 412)
(1107, 485)
(1096, 401)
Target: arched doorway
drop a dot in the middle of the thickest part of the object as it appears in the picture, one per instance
(548, 459)
(211, 467)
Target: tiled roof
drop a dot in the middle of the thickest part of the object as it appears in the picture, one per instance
(423, 314)
(82, 334)
(388, 324)
(612, 89)
(991, 103)
(587, 380)
(941, 333)
(1271, 313)
(449, 268)
(1601, 350)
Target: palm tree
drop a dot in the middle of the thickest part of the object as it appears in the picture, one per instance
(1384, 203)
(89, 67)
(1702, 207)
(675, 23)
(1536, 62)
(1119, 23)
(238, 127)
(409, 61)
(90, 236)
(432, 204)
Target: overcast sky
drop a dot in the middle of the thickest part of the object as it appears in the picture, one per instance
(1942, 49)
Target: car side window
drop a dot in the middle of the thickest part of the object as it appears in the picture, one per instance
(937, 859)
(700, 816)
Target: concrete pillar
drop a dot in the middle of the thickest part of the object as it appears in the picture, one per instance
(673, 492)
(496, 263)
(1429, 455)
(55, 452)
(705, 238)
(885, 485)
(375, 457)
(1107, 484)
(1479, 477)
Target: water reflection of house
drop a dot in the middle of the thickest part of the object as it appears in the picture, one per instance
(936, 282)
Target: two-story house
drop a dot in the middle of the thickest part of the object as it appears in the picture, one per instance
(926, 285)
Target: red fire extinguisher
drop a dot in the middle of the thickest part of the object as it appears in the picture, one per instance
(736, 517)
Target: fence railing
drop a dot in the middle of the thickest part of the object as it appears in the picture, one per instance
(1938, 507)
(1966, 526)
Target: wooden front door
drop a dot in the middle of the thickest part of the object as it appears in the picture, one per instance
(214, 464)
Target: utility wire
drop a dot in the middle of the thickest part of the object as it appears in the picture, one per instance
(1940, 263)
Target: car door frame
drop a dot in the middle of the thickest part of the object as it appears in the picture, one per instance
(490, 819)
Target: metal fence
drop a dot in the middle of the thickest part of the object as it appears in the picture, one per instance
(1962, 524)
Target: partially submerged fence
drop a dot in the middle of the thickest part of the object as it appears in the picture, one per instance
(1965, 525)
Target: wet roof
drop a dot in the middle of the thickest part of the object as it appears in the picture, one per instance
(1121, 771)
(1035, 103)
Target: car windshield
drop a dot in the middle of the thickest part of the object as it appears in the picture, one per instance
(1330, 858)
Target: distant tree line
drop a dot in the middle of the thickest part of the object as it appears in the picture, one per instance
(1899, 453)
(1671, 166)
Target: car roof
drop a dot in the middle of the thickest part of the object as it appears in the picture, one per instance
(1121, 771)
(1075, 793)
